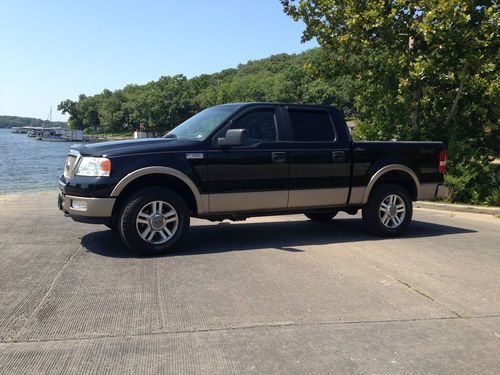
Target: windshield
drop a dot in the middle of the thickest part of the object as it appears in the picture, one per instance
(201, 125)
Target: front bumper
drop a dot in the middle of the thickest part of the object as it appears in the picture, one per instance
(85, 209)
(433, 191)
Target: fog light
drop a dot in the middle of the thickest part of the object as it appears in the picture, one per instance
(78, 205)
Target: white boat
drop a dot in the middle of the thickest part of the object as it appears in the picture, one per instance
(49, 133)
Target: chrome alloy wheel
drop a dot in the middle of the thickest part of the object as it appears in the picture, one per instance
(157, 222)
(392, 211)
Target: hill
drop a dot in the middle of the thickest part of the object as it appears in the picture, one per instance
(15, 121)
(162, 104)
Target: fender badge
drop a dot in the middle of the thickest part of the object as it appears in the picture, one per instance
(194, 155)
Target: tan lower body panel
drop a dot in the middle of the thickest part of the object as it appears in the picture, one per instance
(270, 200)
(317, 197)
(357, 194)
(94, 207)
(433, 190)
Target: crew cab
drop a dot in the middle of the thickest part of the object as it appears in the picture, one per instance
(239, 160)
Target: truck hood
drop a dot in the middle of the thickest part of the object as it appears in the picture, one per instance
(135, 146)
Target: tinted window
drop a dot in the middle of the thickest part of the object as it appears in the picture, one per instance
(311, 126)
(260, 126)
(198, 127)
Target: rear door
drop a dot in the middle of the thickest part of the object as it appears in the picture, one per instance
(319, 158)
(254, 176)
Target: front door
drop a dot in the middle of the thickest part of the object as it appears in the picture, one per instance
(253, 176)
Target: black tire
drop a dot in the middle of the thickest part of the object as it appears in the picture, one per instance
(128, 225)
(322, 217)
(373, 215)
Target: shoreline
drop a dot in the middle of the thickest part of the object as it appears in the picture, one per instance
(13, 195)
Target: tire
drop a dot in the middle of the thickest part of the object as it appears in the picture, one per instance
(389, 211)
(322, 217)
(153, 221)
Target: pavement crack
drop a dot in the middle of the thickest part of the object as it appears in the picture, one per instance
(159, 296)
(47, 293)
(426, 296)
(415, 290)
(412, 288)
(290, 324)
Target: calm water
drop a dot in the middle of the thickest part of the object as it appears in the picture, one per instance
(28, 165)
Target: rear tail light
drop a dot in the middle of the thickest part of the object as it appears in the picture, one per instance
(442, 162)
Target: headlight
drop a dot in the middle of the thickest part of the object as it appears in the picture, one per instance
(97, 167)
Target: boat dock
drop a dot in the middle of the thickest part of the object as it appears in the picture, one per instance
(50, 133)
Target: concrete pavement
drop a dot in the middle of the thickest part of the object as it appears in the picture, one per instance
(266, 296)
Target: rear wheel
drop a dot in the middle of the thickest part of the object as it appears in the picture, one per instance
(153, 220)
(322, 217)
(388, 211)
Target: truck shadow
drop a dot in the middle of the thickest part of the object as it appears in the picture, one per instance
(285, 235)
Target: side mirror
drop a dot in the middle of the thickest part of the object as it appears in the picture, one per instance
(234, 137)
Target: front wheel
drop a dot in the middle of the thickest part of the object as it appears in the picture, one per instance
(388, 211)
(153, 220)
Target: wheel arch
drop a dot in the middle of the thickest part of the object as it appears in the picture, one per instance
(398, 174)
(161, 176)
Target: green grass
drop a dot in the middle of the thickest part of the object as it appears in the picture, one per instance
(125, 134)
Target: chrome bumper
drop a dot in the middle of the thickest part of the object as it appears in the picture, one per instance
(84, 206)
(433, 191)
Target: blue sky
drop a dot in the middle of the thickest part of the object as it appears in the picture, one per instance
(53, 50)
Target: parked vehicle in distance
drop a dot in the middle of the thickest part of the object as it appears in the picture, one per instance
(235, 161)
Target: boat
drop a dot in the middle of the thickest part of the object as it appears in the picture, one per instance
(56, 134)
(50, 134)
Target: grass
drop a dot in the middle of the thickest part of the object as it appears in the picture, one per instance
(123, 134)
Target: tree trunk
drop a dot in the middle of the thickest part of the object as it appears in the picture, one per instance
(415, 113)
(454, 106)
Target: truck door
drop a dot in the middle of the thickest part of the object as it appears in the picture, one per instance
(319, 158)
(253, 176)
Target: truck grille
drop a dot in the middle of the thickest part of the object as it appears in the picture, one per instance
(70, 165)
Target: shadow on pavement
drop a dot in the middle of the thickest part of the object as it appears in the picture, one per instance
(286, 236)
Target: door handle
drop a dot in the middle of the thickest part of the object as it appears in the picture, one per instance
(278, 157)
(338, 156)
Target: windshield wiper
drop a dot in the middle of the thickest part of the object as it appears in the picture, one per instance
(170, 135)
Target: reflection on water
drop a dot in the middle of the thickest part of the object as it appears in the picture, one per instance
(29, 165)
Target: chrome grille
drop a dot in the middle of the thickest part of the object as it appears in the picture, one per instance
(70, 165)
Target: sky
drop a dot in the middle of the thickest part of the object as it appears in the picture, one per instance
(54, 50)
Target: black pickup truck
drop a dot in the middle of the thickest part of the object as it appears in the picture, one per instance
(239, 160)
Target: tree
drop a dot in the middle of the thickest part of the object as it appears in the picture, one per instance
(419, 70)
(70, 107)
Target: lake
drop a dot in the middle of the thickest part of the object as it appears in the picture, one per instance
(28, 165)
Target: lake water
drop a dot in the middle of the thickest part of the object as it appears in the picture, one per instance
(28, 165)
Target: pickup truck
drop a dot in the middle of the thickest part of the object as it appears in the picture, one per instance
(239, 160)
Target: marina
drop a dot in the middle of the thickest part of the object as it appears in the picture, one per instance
(57, 134)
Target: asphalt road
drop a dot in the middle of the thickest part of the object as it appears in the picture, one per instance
(279, 295)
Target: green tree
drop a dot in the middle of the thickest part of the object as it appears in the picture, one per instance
(72, 108)
(418, 70)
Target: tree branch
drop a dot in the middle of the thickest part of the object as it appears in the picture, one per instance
(454, 106)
